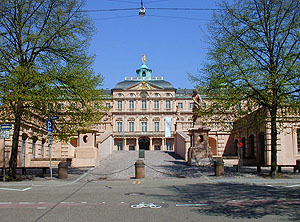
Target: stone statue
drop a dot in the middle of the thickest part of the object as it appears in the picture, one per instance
(197, 99)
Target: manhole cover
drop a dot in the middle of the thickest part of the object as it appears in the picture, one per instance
(134, 194)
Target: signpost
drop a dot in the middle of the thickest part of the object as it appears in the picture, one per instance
(240, 145)
(49, 127)
(4, 134)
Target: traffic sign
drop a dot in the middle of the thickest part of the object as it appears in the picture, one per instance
(6, 126)
(241, 145)
(49, 125)
(4, 134)
(54, 117)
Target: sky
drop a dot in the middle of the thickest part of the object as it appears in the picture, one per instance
(175, 42)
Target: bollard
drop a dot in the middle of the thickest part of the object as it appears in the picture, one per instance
(139, 169)
(62, 170)
(219, 167)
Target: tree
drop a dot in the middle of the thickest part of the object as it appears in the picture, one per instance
(254, 60)
(44, 64)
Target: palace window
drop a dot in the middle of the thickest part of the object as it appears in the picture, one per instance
(191, 105)
(156, 126)
(119, 104)
(131, 126)
(180, 106)
(168, 104)
(144, 126)
(107, 105)
(120, 128)
(131, 104)
(156, 104)
(144, 104)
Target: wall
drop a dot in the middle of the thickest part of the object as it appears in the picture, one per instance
(105, 144)
(183, 143)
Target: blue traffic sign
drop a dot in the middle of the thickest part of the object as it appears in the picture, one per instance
(49, 125)
(6, 126)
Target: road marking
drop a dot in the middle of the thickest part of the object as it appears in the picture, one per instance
(83, 202)
(145, 205)
(282, 187)
(136, 182)
(12, 189)
(190, 205)
(5, 202)
(41, 208)
(26, 203)
(66, 202)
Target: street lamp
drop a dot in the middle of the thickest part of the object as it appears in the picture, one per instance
(142, 11)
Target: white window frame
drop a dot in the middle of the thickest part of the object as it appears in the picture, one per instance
(120, 104)
(144, 104)
(144, 126)
(168, 104)
(156, 126)
(120, 126)
(131, 126)
(156, 104)
(131, 104)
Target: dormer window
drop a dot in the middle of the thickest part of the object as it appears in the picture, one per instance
(144, 74)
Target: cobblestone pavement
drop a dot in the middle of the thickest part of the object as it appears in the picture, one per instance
(166, 165)
(158, 164)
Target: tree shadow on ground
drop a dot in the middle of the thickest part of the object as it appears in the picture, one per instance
(174, 155)
(237, 201)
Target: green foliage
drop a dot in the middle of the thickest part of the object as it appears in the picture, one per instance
(44, 62)
(254, 60)
(255, 57)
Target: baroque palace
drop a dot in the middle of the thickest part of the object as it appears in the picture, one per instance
(147, 112)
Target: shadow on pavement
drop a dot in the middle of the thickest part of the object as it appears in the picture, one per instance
(237, 201)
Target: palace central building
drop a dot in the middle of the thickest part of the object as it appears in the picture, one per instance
(146, 111)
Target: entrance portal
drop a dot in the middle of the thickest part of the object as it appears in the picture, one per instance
(144, 143)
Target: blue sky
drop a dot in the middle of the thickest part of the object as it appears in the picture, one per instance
(173, 46)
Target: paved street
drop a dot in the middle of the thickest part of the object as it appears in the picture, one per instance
(101, 194)
(150, 200)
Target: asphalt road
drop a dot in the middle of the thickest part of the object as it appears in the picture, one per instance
(192, 199)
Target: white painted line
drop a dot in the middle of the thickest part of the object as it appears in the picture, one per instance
(41, 208)
(296, 185)
(103, 202)
(25, 202)
(190, 205)
(5, 202)
(66, 202)
(83, 202)
(122, 202)
(282, 187)
(12, 189)
(42, 202)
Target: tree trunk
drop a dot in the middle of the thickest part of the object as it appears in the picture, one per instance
(273, 142)
(12, 173)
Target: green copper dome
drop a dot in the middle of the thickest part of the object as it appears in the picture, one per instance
(144, 73)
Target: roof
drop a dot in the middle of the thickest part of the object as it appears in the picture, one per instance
(129, 83)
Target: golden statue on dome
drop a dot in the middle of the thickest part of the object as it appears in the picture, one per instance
(144, 58)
